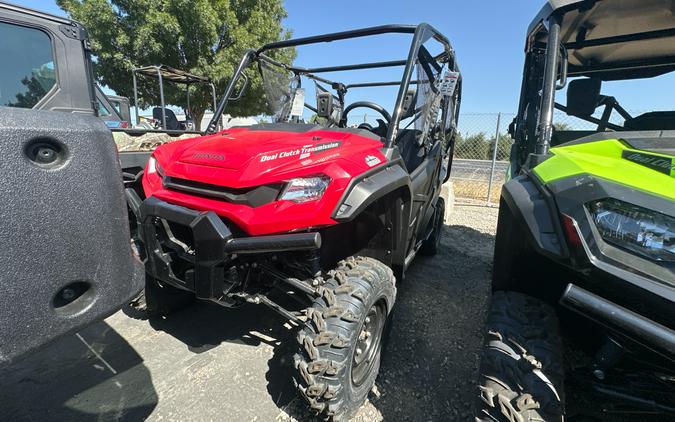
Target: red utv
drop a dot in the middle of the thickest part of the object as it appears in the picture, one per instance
(325, 213)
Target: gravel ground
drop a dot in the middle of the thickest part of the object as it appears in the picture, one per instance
(209, 363)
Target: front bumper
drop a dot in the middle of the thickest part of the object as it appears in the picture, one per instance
(645, 331)
(201, 265)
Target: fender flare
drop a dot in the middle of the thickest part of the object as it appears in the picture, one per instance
(370, 187)
(534, 208)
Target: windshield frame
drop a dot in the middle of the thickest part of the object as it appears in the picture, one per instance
(420, 35)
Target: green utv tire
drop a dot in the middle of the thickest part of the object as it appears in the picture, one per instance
(339, 348)
(521, 372)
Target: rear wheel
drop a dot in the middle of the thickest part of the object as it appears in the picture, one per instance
(339, 356)
(431, 246)
(521, 371)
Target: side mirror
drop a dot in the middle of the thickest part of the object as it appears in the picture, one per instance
(324, 104)
(583, 97)
(409, 103)
(327, 105)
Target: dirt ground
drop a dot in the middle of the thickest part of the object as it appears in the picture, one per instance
(208, 363)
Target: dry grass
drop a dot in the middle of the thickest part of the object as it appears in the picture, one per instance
(477, 190)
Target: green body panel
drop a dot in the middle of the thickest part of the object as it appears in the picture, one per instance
(605, 159)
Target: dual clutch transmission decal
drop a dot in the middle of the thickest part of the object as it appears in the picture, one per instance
(302, 152)
(655, 162)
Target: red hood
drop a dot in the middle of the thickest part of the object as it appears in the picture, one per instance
(246, 155)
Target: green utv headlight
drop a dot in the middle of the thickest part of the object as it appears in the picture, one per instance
(639, 230)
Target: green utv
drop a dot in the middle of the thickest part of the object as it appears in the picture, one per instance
(581, 325)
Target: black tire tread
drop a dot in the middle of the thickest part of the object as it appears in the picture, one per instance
(323, 361)
(521, 371)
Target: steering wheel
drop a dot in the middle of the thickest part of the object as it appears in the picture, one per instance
(365, 104)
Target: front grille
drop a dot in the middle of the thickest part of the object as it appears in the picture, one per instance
(253, 197)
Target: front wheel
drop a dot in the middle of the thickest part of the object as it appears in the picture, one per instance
(339, 356)
(521, 371)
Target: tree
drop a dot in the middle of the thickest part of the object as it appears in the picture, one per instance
(204, 37)
(503, 147)
(561, 126)
(33, 94)
(316, 120)
(474, 147)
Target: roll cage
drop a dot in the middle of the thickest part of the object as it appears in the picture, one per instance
(418, 54)
(600, 40)
(164, 73)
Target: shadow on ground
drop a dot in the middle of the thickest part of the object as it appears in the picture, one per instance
(427, 374)
(431, 360)
(68, 382)
(205, 326)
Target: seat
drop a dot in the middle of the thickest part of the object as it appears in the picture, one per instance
(561, 137)
(656, 120)
(412, 153)
(172, 122)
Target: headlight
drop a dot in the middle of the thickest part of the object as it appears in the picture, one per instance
(154, 167)
(305, 189)
(645, 232)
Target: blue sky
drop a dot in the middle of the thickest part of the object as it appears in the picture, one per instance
(488, 36)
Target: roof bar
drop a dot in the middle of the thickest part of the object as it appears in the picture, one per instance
(666, 62)
(357, 33)
(361, 66)
(377, 84)
(651, 35)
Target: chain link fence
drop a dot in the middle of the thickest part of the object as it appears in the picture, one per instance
(481, 158)
(482, 151)
(481, 155)
(483, 148)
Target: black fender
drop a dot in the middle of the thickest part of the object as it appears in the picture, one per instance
(534, 208)
(389, 181)
(66, 253)
(370, 187)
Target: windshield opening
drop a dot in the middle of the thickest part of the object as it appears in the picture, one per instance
(616, 105)
(352, 94)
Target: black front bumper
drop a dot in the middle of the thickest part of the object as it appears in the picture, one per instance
(213, 245)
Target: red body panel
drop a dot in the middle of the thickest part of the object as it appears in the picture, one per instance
(241, 158)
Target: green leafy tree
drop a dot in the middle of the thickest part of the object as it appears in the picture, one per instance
(204, 37)
(33, 94)
(503, 147)
(474, 147)
(561, 126)
(316, 120)
(479, 147)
